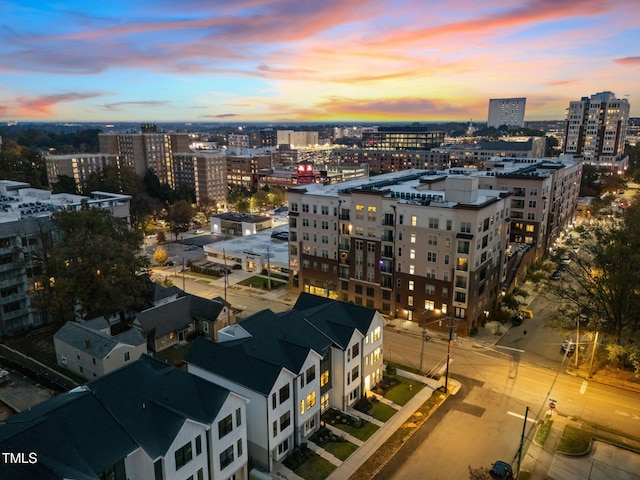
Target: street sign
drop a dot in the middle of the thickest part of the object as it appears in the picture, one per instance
(552, 406)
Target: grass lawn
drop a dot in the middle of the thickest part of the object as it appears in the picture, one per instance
(260, 282)
(363, 433)
(382, 411)
(173, 355)
(574, 440)
(316, 468)
(543, 432)
(340, 450)
(405, 391)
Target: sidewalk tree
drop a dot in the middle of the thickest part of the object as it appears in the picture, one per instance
(91, 266)
(602, 283)
(179, 217)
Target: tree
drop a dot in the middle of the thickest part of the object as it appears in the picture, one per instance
(604, 289)
(65, 184)
(179, 217)
(142, 208)
(22, 164)
(115, 180)
(481, 473)
(91, 267)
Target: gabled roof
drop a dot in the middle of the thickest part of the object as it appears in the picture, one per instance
(178, 314)
(230, 360)
(281, 341)
(337, 320)
(154, 292)
(81, 433)
(94, 342)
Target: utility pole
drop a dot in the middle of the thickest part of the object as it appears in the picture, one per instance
(524, 426)
(268, 270)
(446, 378)
(593, 353)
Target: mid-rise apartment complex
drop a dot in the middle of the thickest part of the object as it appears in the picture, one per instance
(77, 166)
(595, 130)
(24, 218)
(147, 150)
(506, 111)
(415, 242)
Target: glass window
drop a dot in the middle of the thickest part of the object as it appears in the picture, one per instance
(226, 457)
(225, 426)
(183, 455)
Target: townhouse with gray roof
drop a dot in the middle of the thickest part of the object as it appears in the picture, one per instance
(89, 350)
(169, 425)
(292, 366)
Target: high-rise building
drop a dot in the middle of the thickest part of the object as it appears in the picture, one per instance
(506, 111)
(596, 127)
(148, 150)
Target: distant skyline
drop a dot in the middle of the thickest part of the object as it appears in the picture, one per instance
(309, 61)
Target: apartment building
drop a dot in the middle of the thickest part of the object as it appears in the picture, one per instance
(77, 166)
(414, 244)
(506, 111)
(149, 149)
(405, 138)
(388, 161)
(206, 173)
(596, 127)
(292, 366)
(24, 218)
(168, 424)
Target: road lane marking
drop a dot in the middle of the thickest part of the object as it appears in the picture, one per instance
(510, 348)
(583, 388)
(521, 417)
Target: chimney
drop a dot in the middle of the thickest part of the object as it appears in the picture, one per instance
(87, 344)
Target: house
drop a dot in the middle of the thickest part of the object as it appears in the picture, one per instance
(169, 424)
(89, 350)
(292, 366)
(176, 322)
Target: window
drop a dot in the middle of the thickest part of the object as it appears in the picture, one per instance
(433, 223)
(275, 428)
(376, 334)
(411, 285)
(414, 221)
(198, 444)
(226, 457)
(283, 447)
(284, 393)
(355, 351)
(532, 204)
(461, 297)
(324, 378)
(465, 227)
(311, 373)
(273, 400)
(432, 240)
(429, 289)
(238, 417)
(301, 407)
(355, 373)
(324, 210)
(429, 305)
(239, 447)
(285, 420)
(413, 238)
(410, 300)
(432, 257)
(183, 455)
(311, 399)
(127, 356)
(324, 401)
(305, 208)
(225, 426)
(412, 253)
(463, 246)
(325, 225)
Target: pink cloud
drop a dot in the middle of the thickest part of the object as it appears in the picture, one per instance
(632, 61)
(44, 106)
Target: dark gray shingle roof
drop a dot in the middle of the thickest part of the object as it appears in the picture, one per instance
(94, 342)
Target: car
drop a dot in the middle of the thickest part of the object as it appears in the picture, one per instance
(568, 346)
(170, 263)
(191, 248)
(152, 235)
(621, 192)
(517, 319)
(237, 266)
(501, 471)
(198, 232)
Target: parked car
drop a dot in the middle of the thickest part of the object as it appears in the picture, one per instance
(501, 471)
(191, 248)
(237, 266)
(517, 319)
(568, 346)
(198, 232)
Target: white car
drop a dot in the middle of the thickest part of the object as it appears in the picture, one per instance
(199, 232)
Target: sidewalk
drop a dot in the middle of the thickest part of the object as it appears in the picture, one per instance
(360, 456)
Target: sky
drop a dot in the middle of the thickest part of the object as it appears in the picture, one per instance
(311, 60)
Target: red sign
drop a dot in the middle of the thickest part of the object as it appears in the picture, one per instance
(552, 406)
